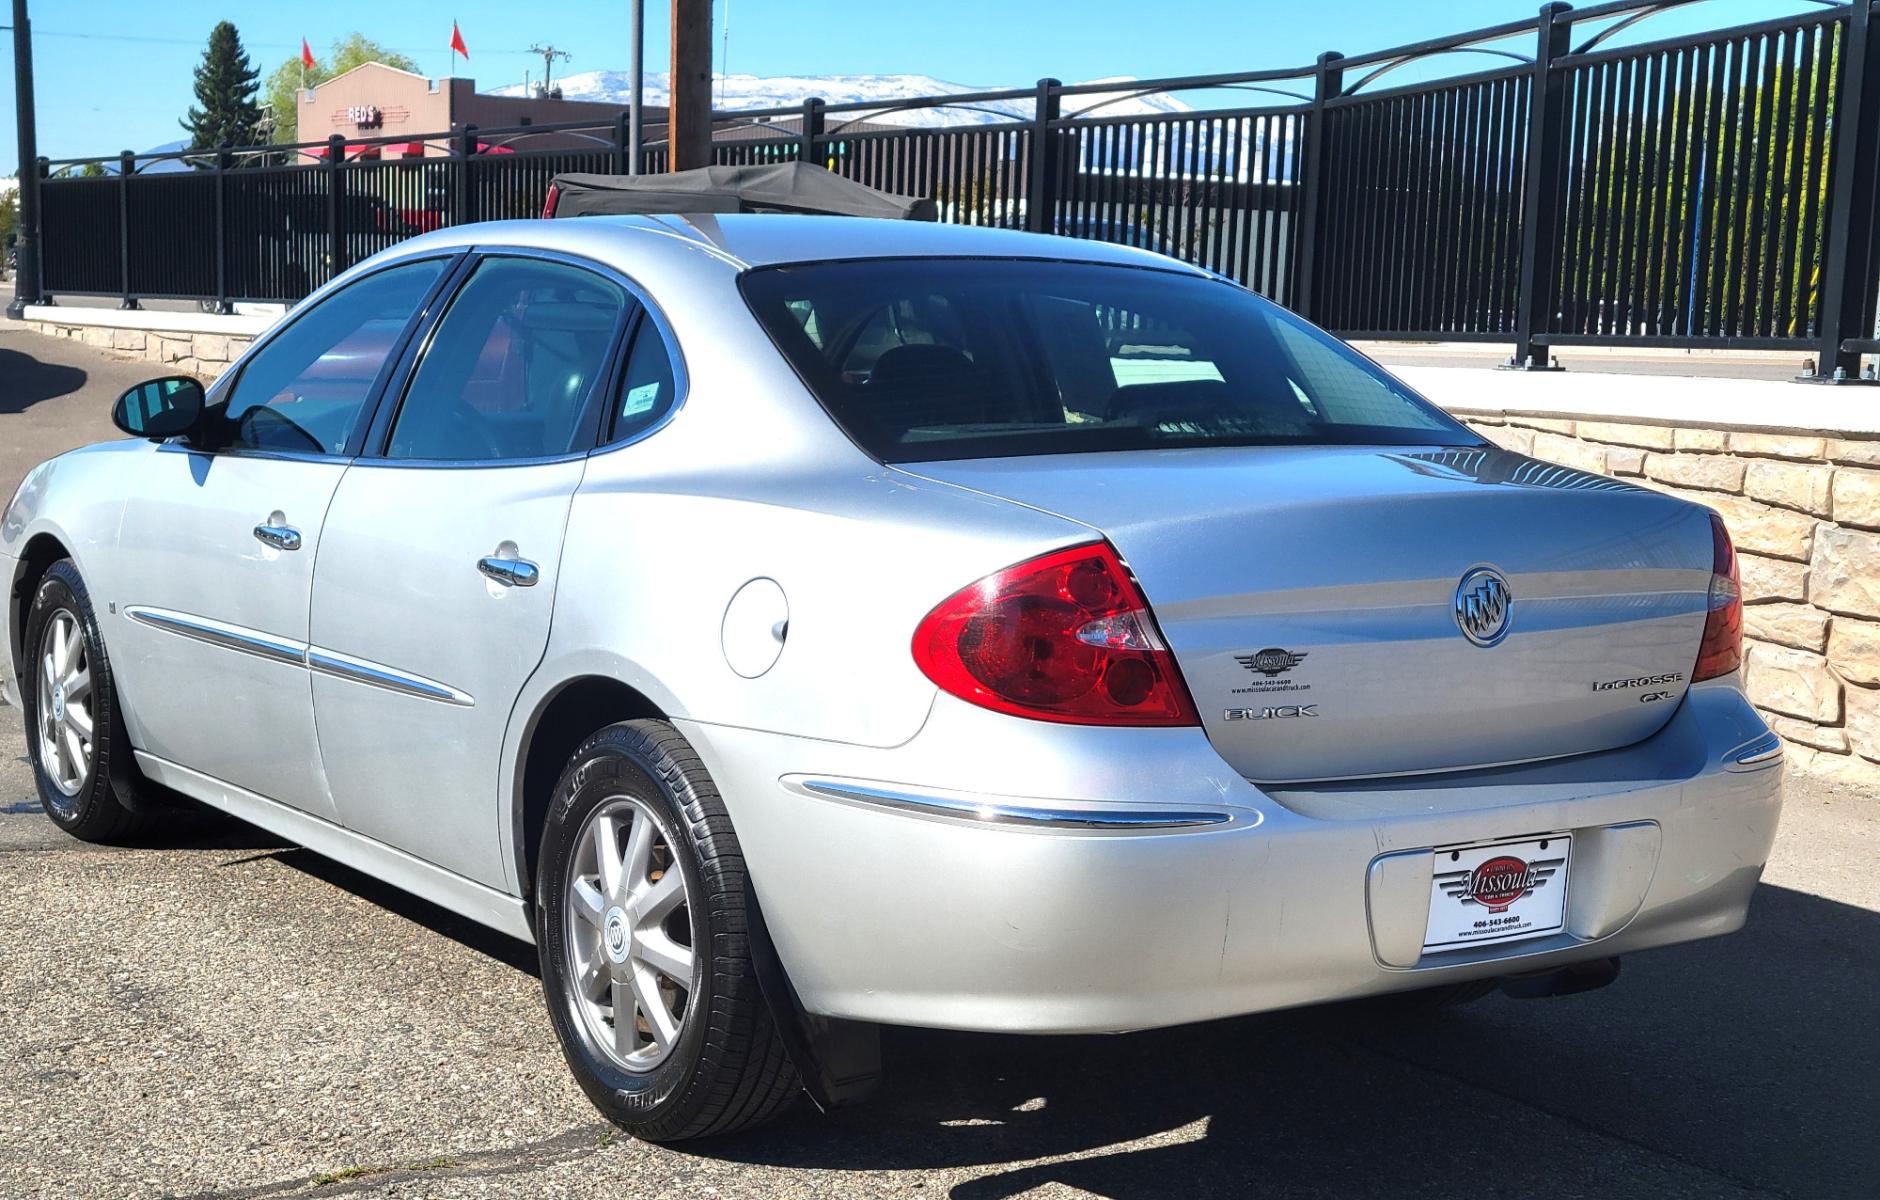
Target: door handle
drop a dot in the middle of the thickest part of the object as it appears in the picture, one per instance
(281, 537)
(510, 572)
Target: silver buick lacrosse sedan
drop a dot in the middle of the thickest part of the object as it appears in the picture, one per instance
(797, 625)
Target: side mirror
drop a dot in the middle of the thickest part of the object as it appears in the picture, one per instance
(162, 408)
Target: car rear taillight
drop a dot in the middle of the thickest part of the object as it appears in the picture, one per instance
(1062, 637)
(1722, 649)
(551, 200)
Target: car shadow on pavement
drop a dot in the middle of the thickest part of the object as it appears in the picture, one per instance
(30, 381)
(509, 951)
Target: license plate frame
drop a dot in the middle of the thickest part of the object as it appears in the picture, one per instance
(1498, 892)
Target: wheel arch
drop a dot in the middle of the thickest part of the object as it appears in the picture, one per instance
(560, 721)
(36, 557)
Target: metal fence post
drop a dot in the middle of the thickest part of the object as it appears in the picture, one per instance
(1850, 251)
(463, 197)
(127, 166)
(335, 191)
(29, 282)
(222, 304)
(1541, 189)
(812, 129)
(1041, 185)
(27, 278)
(1328, 83)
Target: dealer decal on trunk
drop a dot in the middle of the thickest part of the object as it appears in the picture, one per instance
(1275, 664)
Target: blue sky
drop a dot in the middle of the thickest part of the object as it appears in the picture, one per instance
(115, 74)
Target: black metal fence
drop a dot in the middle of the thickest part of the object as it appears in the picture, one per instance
(1714, 190)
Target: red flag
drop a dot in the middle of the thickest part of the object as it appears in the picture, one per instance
(306, 55)
(456, 42)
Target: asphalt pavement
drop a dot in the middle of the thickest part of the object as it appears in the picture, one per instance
(213, 1013)
(55, 395)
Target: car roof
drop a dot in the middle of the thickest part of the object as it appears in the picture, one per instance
(744, 240)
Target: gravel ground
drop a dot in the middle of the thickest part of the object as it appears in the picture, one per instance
(217, 1014)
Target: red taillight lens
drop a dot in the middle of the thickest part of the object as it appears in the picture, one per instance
(1722, 648)
(1063, 637)
(551, 200)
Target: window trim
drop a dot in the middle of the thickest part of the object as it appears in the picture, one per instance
(374, 452)
(223, 388)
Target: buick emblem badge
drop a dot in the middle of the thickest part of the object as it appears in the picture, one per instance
(1484, 606)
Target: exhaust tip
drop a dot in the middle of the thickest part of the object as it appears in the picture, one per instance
(1562, 981)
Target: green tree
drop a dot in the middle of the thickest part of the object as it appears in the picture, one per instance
(9, 216)
(225, 90)
(348, 52)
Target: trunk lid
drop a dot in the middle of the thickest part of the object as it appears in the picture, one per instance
(1310, 596)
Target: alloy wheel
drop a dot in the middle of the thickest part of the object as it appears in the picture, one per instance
(629, 934)
(65, 704)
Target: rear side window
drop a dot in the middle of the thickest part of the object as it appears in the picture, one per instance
(509, 370)
(922, 359)
(648, 386)
(302, 391)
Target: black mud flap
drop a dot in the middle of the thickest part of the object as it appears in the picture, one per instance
(839, 1062)
(133, 791)
(1563, 981)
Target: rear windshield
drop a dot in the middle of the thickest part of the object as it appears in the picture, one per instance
(924, 359)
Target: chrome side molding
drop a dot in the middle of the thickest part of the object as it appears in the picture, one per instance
(360, 670)
(244, 640)
(1009, 814)
(219, 633)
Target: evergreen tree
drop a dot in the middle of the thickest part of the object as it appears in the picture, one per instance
(225, 92)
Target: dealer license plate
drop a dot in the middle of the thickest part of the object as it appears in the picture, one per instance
(1498, 893)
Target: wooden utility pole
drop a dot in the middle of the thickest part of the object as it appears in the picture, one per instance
(689, 123)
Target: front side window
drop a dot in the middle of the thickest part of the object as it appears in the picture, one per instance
(923, 359)
(302, 392)
(510, 367)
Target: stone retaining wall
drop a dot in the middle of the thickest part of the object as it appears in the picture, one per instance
(204, 355)
(1804, 512)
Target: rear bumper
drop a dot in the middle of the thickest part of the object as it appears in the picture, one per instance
(897, 913)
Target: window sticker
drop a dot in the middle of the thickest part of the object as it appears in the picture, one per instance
(640, 399)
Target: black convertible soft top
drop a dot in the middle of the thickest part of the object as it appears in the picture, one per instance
(790, 187)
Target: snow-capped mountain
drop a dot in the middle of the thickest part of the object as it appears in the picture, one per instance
(732, 93)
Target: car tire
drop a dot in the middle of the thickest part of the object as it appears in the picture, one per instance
(75, 732)
(716, 1062)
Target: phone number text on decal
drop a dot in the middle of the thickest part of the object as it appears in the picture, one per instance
(1500, 922)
